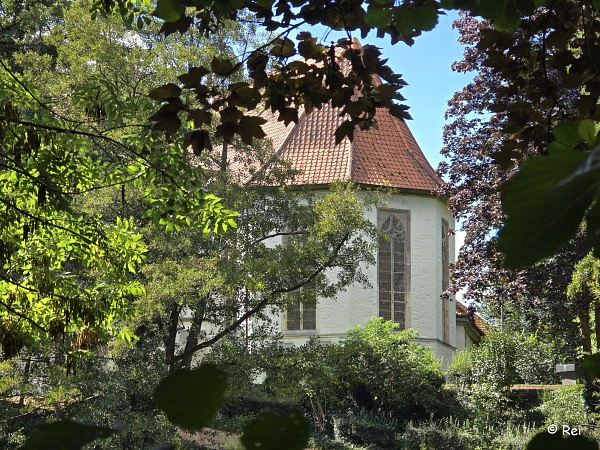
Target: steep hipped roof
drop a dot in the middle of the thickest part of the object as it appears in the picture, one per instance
(386, 155)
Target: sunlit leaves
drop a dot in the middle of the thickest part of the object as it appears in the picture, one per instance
(587, 131)
(379, 17)
(191, 398)
(67, 271)
(283, 48)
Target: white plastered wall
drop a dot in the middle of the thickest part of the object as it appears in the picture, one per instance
(357, 305)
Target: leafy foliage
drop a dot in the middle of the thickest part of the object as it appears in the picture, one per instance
(309, 82)
(565, 406)
(347, 376)
(273, 432)
(505, 358)
(68, 272)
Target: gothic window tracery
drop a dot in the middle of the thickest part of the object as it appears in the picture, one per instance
(392, 266)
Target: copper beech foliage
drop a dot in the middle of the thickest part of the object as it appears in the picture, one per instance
(535, 93)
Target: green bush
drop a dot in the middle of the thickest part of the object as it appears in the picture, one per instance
(366, 428)
(445, 434)
(451, 434)
(374, 368)
(238, 411)
(565, 406)
(460, 371)
(503, 359)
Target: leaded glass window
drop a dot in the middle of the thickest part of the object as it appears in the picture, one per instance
(445, 257)
(392, 266)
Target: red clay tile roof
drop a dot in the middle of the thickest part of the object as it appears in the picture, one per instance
(481, 324)
(387, 155)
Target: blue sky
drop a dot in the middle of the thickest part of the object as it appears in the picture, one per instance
(426, 67)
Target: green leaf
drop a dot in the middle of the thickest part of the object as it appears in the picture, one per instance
(592, 219)
(587, 131)
(65, 435)
(425, 17)
(221, 66)
(566, 132)
(283, 47)
(506, 23)
(591, 364)
(403, 20)
(509, 20)
(379, 18)
(545, 203)
(191, 398)
(272, 432)
(596, 4)
(309, 48)
(164, 92)
(169, 10)
(547, 441)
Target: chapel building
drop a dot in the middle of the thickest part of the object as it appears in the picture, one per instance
(412, 268)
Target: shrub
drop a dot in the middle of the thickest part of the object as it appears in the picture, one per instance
(565, 406)
(366, 428)
(505, 358)
(239, 410)
(451, 434)
(374, 371)
(445, 434)
(460, 371)
(381, 370)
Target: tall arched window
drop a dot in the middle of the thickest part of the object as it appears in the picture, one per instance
(445, 280)
(392, 266)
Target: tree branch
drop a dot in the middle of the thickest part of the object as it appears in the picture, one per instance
(291, 233)
(264, 302)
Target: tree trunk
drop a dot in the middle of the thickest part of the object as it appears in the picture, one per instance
(26, 371)
(224, 158)
(195, 328)
(172, 335)
(191, 341)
